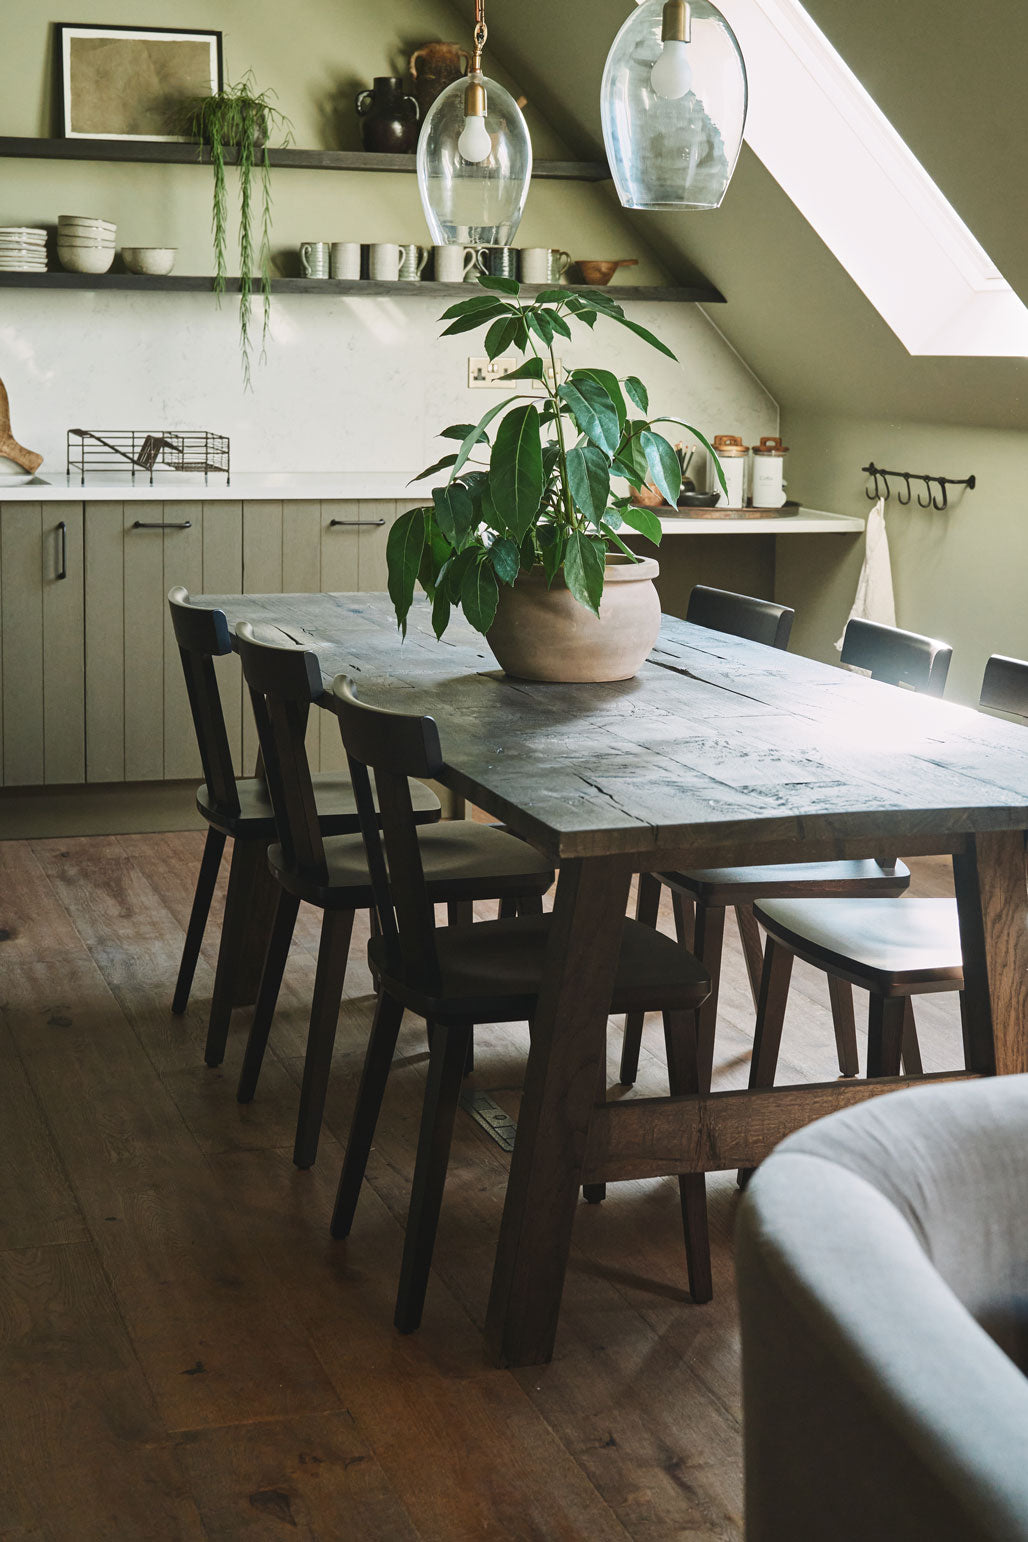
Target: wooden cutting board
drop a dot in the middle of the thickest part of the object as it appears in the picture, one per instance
(9, 446)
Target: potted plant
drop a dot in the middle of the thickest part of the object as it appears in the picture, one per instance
(525, 535)
(241, 118)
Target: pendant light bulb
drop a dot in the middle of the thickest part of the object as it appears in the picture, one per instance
(671, 76)
(475, 142)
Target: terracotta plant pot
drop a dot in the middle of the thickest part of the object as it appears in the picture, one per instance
(545, 634)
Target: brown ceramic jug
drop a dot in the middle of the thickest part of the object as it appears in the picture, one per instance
(434, 67)
(389, 119)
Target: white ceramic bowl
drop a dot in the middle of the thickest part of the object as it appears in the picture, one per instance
(155, 260)
(88, 241)
(68, 220)
(85, 259)
(10, 472)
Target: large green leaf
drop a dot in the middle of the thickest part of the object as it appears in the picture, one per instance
(608, 382)
(715, 462)
(501, 335)
(505, 558)
(516, 470)
(504, 285)
(638, 392)
(479, 595)
(589, 479)
(664, 465)
(541, 324)
(643, 520)
(647, 337)
(583, 568)
(472, 307)
(477, 434)
(455, 513)
(457, 431)
(532, 369)
(440, 612)
(593, 411)
(469, 323)
(551, 546)
(440, 465)
(404, 546)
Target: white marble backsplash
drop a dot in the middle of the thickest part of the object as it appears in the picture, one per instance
(357, 384)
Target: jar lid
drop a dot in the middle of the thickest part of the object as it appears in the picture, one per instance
(730, 444)
(769, 445)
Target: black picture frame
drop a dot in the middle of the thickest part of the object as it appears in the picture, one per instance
(94, 83)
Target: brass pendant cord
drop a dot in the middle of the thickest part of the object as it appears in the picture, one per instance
(481, 33)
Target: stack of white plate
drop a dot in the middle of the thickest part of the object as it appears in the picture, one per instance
(22, 250)
(84, 244)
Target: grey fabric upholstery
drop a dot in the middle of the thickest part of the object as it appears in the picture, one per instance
(883, 1287)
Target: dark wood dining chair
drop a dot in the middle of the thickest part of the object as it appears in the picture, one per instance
(454, 977)
(462, 861)
(740, 615)
(237, 809)
(894, 948)
(701, 897)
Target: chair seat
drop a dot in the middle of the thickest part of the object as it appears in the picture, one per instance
(891, 946)
(463, 860)
(787, 880)
(332, 791)
(491, 972)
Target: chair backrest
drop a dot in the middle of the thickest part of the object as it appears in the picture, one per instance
(1005, 686)
(740, 614)
(395, 745)
(283, 680)
(897, 657)
(202, 636)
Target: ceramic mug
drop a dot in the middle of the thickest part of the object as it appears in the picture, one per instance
(498, 261)
(535, 264)
(451, 264)
(314, 259)
(412, 261)
(384, 261)
(345, 259)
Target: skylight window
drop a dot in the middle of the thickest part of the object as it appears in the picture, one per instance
(837, 156)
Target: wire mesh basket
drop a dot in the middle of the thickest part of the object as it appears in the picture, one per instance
(148, 450)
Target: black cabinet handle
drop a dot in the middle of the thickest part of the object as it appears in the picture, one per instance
(62, 527)
(355, 522)
(185, 524)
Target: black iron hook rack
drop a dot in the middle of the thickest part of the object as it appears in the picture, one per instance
(930, 502)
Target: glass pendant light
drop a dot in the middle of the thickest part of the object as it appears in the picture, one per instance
(474, 158)
(673, 103)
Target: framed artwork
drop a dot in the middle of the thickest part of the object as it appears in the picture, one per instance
(130, 82)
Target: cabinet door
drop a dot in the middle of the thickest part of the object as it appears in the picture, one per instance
(41, 644)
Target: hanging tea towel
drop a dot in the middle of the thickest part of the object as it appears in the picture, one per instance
(874, 599)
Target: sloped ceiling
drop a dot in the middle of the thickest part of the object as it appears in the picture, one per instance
(950, 77)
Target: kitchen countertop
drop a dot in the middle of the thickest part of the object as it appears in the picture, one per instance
(288, 486)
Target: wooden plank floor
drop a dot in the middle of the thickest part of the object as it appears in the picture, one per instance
(186, 1353)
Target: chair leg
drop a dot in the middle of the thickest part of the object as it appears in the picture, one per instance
(774, 994)
(441, 1094)
(647, 908)
(267, 997)
(885, 1035)
(530, 905)
(911, 1052)
(508, 908)
(684, 911)
(377, 1060)
(462, 913)
(841, 995)
(336, 928)
(684, 1075)
(752, 948)
(708, 941)
(231, 951)
(207, 877)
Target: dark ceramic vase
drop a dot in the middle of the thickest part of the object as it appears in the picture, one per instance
(433, 68)
(389, 119)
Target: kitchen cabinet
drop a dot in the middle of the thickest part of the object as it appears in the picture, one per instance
(41, 644)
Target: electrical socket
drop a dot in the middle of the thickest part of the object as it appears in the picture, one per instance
(487, 375)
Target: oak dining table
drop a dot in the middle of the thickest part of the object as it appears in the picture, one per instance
(719, 752)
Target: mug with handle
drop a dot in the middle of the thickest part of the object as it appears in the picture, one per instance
(497, 261)
(412, 261)
(452, 264)
(314, 259)
(558, 265)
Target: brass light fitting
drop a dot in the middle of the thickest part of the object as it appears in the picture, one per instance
(676, 25)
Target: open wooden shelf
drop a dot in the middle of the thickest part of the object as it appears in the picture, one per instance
(199, 283)
(188, 153)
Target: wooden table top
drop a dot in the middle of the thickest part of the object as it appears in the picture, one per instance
(717, 747)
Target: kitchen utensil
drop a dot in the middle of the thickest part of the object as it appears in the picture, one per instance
(384, 261)
(314, 259)
(601, 272)
(155, 260)
(28, 460)
(389, 119)
(412, 261)
(768, 466)
(451, 264)
(433, 67)
(344, 259)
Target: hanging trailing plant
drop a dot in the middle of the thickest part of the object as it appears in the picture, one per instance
(242, 119)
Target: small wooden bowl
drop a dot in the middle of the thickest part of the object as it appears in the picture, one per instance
(602, 272)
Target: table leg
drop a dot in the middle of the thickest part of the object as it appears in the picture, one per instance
(991, 901)
(568, 1045)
